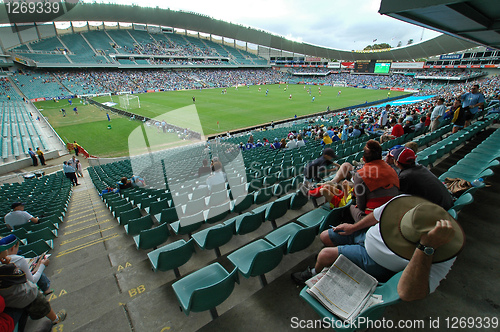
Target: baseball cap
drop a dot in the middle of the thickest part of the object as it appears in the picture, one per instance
(8, 242)
(403, 155)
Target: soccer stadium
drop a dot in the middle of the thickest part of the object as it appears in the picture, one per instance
(165, 170)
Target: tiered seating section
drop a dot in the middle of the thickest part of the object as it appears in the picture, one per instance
(94, 48)
(19, 131)
(47, 198)
(39, 84)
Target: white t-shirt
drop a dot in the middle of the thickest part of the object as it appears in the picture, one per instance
(17, 218)
(22, 264)
(215, 179)
(382, 255)
(292, 144)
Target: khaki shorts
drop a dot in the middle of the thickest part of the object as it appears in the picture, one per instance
(39, 308)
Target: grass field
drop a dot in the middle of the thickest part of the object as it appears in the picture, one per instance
(239, 108)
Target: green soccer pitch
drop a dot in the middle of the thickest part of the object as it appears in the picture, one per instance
(218, 112)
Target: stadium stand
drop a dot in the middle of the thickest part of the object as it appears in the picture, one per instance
(257, 221)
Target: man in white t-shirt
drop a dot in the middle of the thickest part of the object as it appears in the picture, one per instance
(407, 234)
(217, 177)
(18, 216)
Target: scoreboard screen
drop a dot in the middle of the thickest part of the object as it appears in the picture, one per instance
(382, 68)
(372, 66)
(364, 67)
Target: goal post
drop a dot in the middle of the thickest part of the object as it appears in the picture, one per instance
(128, 102)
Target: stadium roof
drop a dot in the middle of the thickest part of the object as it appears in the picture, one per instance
(477, 20)
(206, 24)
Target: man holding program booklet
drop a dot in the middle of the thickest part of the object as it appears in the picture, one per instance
(407, 234)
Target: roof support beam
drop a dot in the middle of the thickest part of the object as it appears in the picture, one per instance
(472, 13)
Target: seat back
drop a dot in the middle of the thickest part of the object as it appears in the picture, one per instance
(335, 216)
(151, 238)
(211, 296)
(267, 260)
(193, 207)
(200, 192)
(157, 207)
(135, 226)
(126, 216)
(278, 208)
(118, 210)
(190, 224)
(219, 197)
(41, 225)
(168, 215)
(43, 234)
(218, 236)
(298, 200)
(218, 213)
(39, 247)
(302, 239)
(248, 223)
(242, 203)
(175, 254)
(263, 195)
(463, 200)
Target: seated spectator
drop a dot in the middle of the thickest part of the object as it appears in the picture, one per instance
(396, 131)
(417, 180)
(137, 181)
(20, 293)
(282, 143)
(421, 125)
(327, 140)
(204, 169)
(18, 217)
(355, 132)
(337, 195)
(408, 127)
(291, 144)
(39, 277)
(217, 177)
(7, 323)
(124, 183)
(406, 234)
(316, 169)
(276, 145)
(300, 141)
(374, 184)
(259, 144)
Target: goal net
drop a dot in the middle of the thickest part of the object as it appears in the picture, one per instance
(129, 102)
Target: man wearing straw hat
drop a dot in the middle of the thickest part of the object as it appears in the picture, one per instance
(407, 233)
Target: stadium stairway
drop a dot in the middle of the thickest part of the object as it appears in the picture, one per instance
(106, 284)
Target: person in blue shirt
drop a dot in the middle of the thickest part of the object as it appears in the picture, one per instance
(355, 132)
(345, 131)
(473, 100)
(330, 132)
